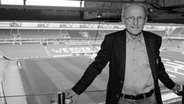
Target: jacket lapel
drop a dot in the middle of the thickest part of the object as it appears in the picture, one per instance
(150, 50)
(121, 43)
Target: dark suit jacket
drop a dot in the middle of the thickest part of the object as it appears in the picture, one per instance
(113, 50)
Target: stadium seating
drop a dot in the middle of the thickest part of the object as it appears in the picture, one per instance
(160, 33)
(164, 43)
(93, 33)
(5, 34)
(172, 45)
(74, 33)
(81, 49)
(182, 33)
(180, 49)
(23, 51)
(58, 50)
(38, 34)
(64, 34)
(176, 32)
(52, 34)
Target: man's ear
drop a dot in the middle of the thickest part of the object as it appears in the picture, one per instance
(146, 19)
(122, 19)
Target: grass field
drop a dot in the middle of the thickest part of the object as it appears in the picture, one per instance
(44, 78)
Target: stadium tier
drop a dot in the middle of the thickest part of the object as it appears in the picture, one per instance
(23, 51)
(74, 33)
(182, 33)
(40, 33)
(5, 34)
(176, 32)
(64, 34)
(89, 33)
(58, 50)
(173, 45)
(161, 33)
(180, 49)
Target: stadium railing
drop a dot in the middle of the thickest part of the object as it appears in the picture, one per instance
(60, 98)
(63, 100)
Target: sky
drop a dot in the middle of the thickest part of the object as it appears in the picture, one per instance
(43, 2)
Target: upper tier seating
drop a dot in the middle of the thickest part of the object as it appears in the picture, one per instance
(160, 33)
(176, 32)
(74, 33)
(5, 34)
(40, 34)
(23, 51)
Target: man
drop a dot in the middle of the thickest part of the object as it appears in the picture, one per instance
(134, 63)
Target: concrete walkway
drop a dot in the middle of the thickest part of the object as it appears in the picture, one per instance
(13, 86)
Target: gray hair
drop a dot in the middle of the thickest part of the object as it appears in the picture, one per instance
(130, 4)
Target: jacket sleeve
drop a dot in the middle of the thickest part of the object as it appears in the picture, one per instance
(162, 75)
(95, 67)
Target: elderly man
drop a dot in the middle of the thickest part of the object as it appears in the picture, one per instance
(134, 63)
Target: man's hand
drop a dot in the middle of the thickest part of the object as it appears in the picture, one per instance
(176, 88)
(71, 96)
(69, 93)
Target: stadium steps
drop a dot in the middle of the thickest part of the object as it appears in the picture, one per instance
(3, 65)
(13, 86)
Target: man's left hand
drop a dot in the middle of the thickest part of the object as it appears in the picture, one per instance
(176, 88)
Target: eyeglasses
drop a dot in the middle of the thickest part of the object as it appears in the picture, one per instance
(139, 19)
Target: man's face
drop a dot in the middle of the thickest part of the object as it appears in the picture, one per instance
(134, 19)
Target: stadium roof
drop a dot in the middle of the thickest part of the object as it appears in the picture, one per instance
(167, 11)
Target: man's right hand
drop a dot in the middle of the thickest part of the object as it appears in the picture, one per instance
(70, 96)
(69, 93)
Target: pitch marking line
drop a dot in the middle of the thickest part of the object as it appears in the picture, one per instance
(165, 59)
(176, 72)
(179, 62)
(174, 64)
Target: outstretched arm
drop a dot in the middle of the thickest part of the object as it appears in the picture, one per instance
(162, 74)
(94, 69)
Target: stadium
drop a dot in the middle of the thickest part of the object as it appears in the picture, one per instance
(40, 58)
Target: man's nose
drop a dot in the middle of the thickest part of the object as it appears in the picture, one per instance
(135, 22)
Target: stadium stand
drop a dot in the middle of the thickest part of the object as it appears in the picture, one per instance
(26, 34)
(93, 33)
(58, 50)
(100, 33)
(176, 32)
(164, 43)
(84, 34)
(52, 34)
(105, 32)
(74, 33)
(23, 51)
(81, 49)
(64, 34)
(5, 34)
(182, 33)
(180, 48)
(172, 45)
(160, 33)
(15, 33)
